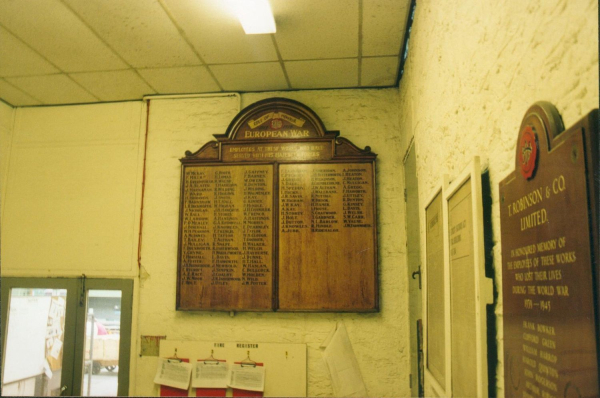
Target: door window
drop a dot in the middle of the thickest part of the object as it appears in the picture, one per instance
(66, 336)
(34, 342)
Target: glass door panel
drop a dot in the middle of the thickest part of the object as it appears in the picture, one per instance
(102, 338)
(55, 329)
(35, 338)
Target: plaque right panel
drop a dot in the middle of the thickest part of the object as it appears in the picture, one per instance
(327, 239)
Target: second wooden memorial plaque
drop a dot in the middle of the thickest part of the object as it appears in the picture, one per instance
(548, 211)
(278, 214)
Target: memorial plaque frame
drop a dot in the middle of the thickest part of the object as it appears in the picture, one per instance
(283, 135)
(468, 184)
(549, 232)
(433, 221)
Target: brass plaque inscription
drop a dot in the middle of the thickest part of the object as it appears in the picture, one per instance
(547, 269)
(227, 237)
(278, 214)
(436, 329)
(326, 219)
(282, 151)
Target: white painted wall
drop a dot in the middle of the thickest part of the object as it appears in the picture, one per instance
(72, 191)
(7, 114)
(366, 117)
(473, 70)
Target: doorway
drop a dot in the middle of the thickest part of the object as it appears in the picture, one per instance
(66, 336)
(413, 256)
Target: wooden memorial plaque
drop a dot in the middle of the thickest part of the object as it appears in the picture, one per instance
(278, 214)
(548, 212)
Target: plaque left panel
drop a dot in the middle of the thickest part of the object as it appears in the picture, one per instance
(225, 259)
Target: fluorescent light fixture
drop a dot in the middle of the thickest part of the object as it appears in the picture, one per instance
(255, 16)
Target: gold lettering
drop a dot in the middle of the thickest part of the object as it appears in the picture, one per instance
(534, 219)
(559, 184)
(519, 290)
(549, 330)
(546, 290)
(530, 362)
(565, 258)
(529, 325)
(532, 338)
(562, 291)
(548, 343)
(523, 203)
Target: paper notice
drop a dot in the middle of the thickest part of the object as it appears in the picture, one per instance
(346, 378)
(246, 377)
(56, 349)
(173, 373)
(47, 369)
(210, 375)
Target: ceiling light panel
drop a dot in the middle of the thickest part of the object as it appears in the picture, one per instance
(331, 73)
(52, 89)
(55, 32)
(383, 26)
(255, 16)
(217, 35)
(114, 85)
(138, 30)
(20, 60)
(317, 29)
(187, 79)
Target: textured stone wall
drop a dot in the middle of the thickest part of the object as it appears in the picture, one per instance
(473, 70)
(380, 340)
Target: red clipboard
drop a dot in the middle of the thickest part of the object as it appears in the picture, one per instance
(211, 392)
(247, 393)
(167, 391)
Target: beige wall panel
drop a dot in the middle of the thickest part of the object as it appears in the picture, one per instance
(72, 195)
(6, 127)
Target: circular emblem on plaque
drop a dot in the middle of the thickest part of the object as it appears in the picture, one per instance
(276, 124)
(528, 150)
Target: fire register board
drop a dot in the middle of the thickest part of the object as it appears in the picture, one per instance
(278, 214)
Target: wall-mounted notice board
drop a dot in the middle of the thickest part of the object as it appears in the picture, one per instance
(278, 214)
(285, 364)
(436, 303)
(468, 290)
(549, 221)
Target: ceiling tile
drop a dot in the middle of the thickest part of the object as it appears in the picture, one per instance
(330, 73)
(17, 59)
(384, 23)
(114, 85)
(316, 29)
(14, 96)
(52, 89)
(250, 77)
(379, 71)
(188, 79)
(55, 32)
(217, 34)
(139, 30)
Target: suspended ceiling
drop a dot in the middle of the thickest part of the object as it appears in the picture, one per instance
(83, 51)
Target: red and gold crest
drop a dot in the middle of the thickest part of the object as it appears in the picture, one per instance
(276, 123)
(528, 150)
